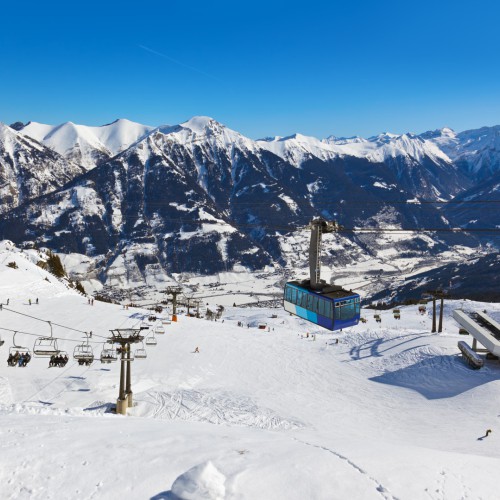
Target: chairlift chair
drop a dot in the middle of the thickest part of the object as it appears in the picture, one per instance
(84, 353)
(140, 353)
(151, 340)
(160, 330)
(61, 355)
(108, 354)
(45, 347)
(17, 349)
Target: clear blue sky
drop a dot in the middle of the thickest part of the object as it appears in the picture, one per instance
(260, 67)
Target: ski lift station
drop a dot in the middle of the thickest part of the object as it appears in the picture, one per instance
(484, 330)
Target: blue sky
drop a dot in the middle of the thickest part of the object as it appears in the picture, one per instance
(262, 68)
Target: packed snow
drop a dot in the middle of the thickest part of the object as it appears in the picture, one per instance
(284, 411)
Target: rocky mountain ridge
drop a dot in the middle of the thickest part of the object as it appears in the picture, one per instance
(201, 198)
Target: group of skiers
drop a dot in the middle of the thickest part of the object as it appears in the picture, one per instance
(86, 361)
(58, 360)
(19, 359)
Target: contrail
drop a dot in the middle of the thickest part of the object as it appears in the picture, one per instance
(143, 47)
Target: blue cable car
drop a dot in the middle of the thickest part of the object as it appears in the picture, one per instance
(329, 306)
(332, 307)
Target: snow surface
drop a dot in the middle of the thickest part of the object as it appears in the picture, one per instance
(390, 411)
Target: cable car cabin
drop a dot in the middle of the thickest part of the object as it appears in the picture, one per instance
(45, 347)
(332, 307)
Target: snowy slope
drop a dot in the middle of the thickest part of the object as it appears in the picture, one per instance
(84, 144)
(389, 412)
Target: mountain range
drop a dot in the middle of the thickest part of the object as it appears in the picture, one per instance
(143, 204)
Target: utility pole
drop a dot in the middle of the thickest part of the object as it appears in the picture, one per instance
(124, 337)
(188, 299)
(437, 294)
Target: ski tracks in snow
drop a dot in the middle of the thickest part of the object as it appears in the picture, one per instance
(381, 490)
(221, 408)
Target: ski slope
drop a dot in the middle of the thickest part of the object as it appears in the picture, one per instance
(390, 411)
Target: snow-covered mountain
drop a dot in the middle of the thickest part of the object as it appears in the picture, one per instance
(201, 198)
(477, 151)
(29, 169)
(86, 145)
(419, 164)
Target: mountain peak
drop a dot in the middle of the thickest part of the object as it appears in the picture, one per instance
(200, 124)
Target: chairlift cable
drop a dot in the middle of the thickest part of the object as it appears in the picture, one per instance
(50, 322)
(38, 335)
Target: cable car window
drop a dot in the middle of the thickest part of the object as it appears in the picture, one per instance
(312, 303)
(348, 311)
(338, 309)
(303, 299)
(322, 307)
(329, 308)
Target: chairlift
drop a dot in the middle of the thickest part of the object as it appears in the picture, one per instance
(45, 347)
(84, 353)
(16, 352)
(160, 330)
(59, 360)
(140, 353)
(108, 354)
(151, 340)
(127, 356)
